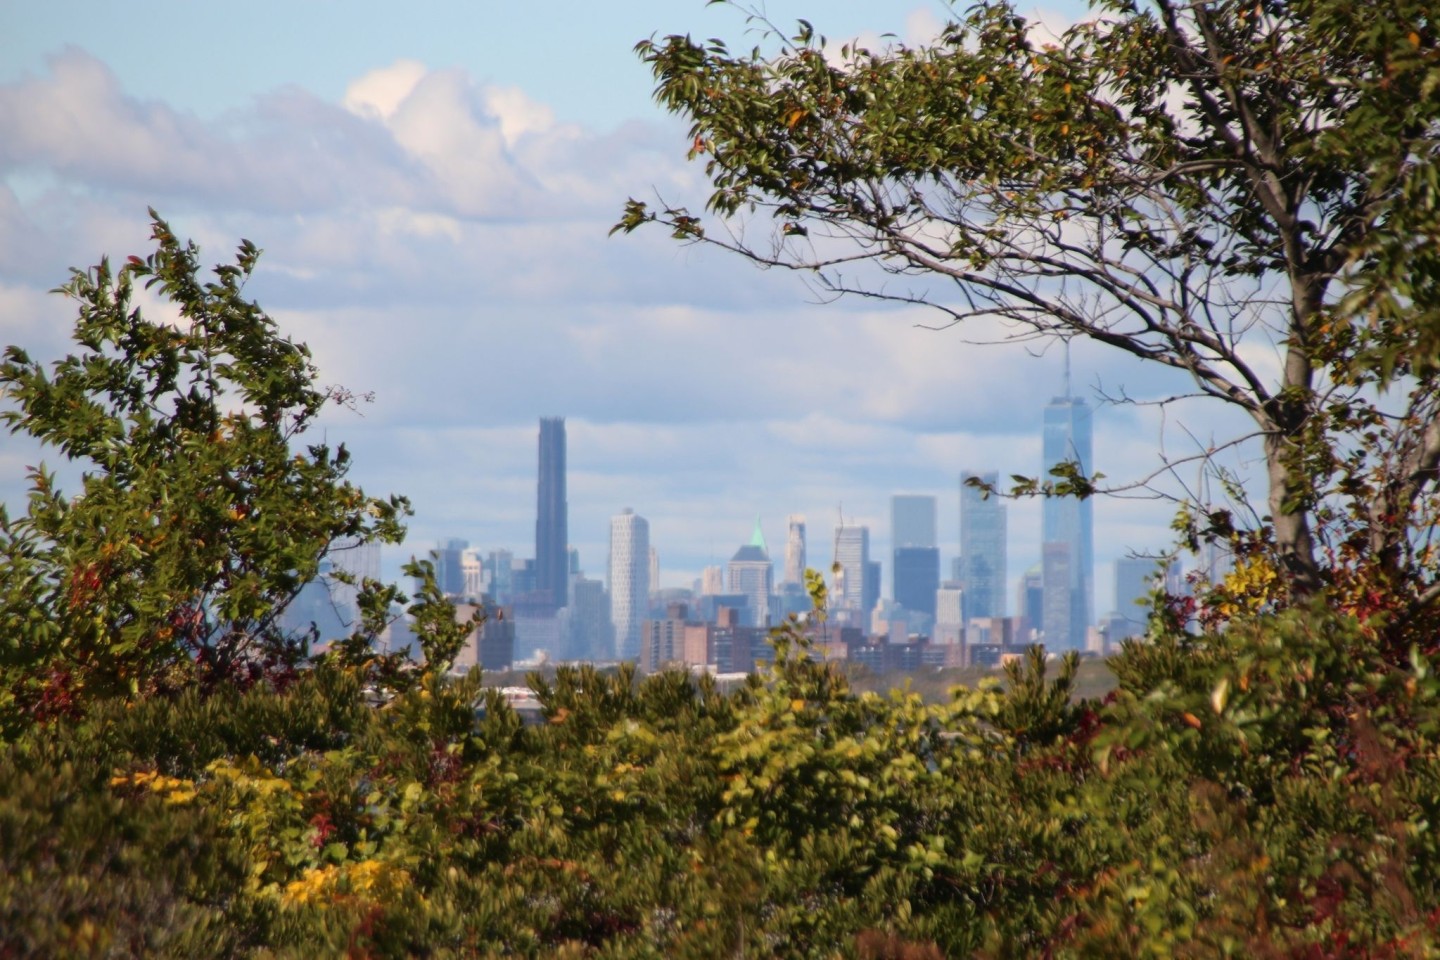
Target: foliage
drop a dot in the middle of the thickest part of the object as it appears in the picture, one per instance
(1265, 790)
(1183, 182)
(197, 519)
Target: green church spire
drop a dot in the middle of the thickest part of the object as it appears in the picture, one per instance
(757, 539)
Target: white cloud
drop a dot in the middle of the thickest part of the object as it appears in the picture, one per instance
(517, 113)
(379, 93)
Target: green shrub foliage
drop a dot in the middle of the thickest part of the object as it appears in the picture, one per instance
(1261, 798)
(201, 510)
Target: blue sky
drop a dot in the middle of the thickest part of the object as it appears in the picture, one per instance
(433, 184)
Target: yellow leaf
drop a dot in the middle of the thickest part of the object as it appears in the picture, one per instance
(1220, 695)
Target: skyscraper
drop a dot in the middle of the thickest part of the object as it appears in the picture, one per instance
(915, 561)
(472, 568)
(500, 572)
(752, 574)
(949, 599)
(591, 632)
(1136, 579)
(852, 555)
(983, 554)
(1030, 601)
(552, 559)
(916, 575)
(912, 521)
(1058, 602)
(1068, 521)
(629, 577)
(795, 549)
(449, 566)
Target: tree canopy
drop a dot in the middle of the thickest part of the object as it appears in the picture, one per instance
(1190, 183)
(202, 510)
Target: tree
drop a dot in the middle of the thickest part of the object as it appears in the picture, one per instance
(1183, 182)
(200, 515)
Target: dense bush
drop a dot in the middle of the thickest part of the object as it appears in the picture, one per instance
(1242, 793)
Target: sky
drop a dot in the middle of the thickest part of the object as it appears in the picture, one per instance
(433, 185)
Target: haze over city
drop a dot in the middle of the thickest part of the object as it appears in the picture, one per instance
(434, 192)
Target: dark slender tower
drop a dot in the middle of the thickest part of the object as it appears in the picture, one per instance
(552, 558)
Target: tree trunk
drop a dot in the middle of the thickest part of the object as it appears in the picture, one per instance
(1294, 544)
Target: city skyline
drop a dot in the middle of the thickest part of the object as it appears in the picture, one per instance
(1051, 604)
(980, 562)
(434, 216)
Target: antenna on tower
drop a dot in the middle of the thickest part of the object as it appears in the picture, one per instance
(1067, 369)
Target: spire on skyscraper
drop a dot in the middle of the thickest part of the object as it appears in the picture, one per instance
(1067, 369)
(757, 539)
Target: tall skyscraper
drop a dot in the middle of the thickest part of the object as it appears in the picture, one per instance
(912, 521)
(915, 562)
(629, 577)
(852, 555)
(1068, 521)
(552, 558)
(983, 553)
(752, 575)
(916, 573)
(795, 549)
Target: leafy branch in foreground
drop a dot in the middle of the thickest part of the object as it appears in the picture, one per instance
(201, 510)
